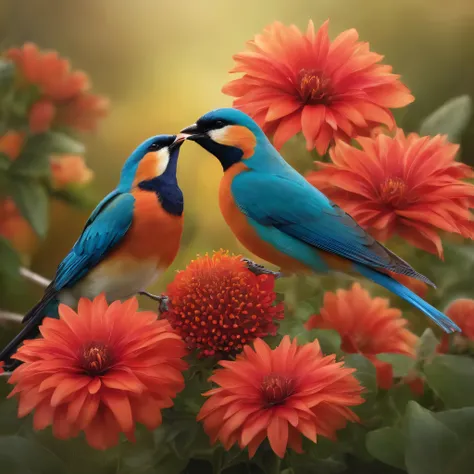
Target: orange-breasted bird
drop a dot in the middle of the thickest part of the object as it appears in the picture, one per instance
(130, 238)
(276, 214)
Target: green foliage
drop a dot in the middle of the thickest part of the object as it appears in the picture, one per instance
(450, 119)
(452, 378)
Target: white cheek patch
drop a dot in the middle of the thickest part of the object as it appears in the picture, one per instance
(163, 157)
(219, 135)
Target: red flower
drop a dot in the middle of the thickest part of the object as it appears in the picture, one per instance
(461, 311)
(11, 144)
(368, 326)
(279, 394)
(64, 97)
(41, 116)
(411, 186)
(69, 169)
(15, 228)
(296, 81)
(217, 305)
(99, 370)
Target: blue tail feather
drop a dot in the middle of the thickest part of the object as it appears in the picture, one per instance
(47, 307)
(394, 286)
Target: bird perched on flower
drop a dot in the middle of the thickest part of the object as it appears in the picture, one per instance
(279, 216)
(131, 237)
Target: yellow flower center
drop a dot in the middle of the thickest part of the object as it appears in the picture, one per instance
(393, 190)
(276, 389)
(96, 358)
(313, 87)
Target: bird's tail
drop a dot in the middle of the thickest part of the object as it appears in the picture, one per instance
(395, 287)
(48, 306)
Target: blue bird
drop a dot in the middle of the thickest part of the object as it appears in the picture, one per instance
(276, 214)
(131, 237)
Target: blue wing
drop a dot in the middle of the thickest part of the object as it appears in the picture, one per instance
(296, 209)
(106, 226)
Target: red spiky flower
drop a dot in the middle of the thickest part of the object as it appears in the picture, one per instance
(279, 394)
(217, 304)
(100, 371)
(295, 81)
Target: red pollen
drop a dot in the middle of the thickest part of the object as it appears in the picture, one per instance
(276, 389)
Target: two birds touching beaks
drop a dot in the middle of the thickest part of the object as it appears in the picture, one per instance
(134, 233)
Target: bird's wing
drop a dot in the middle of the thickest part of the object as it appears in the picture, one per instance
(299, 210)
(106, 226)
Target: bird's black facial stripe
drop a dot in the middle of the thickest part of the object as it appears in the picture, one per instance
(162, 143)
(207, 125)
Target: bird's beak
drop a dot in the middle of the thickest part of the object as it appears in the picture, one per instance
(193, 132)
(178, 141)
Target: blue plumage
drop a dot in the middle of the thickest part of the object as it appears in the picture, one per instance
(103, 231)
(297, 219)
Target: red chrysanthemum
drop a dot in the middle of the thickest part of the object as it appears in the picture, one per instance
(461, 311)
(296, 81)
(64, 96)
(368, 326)
(217, 305)
(99, 370)
(406, 185)
(279, 394)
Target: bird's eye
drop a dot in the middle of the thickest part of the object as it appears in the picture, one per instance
(153, 147)
(220, 124)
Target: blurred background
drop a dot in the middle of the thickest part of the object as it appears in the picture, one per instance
(162, 63)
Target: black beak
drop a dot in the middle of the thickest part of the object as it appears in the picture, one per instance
(178, 141)
(193, 132)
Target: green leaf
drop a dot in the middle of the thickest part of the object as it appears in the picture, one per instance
(366, 374)
(452, 378)
(365, 371)
(387, 445)
(60, 143)
(23, 456)
(10, 260)
(5, 162)
(427, 345)
(461, 421)
(7, 74)
(329, 340)
(450, 119)
(31, 198)
(401, 364)
(431, 447)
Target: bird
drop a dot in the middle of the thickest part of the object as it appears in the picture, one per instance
(131, 237)
(277, 215)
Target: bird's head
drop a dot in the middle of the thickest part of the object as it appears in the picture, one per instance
(229, 134)
(156, 156)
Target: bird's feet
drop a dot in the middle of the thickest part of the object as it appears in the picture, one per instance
(162, 300)
(260, 269)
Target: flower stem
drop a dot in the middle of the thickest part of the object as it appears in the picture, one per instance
(8, 316)
(34, 277)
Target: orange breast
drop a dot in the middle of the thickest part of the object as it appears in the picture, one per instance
(244, 232)
(154, 234)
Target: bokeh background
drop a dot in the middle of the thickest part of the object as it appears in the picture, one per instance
(162, 63)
